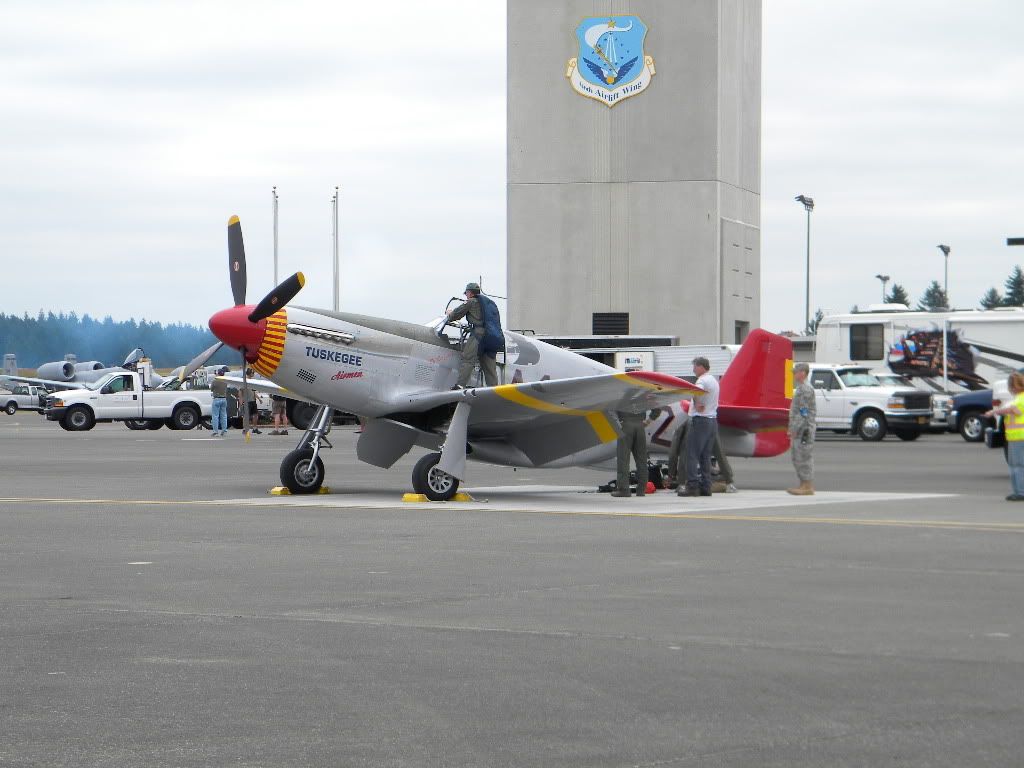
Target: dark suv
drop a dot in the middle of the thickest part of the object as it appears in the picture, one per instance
(966, 415)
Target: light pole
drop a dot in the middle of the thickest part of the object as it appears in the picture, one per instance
(273, 193)
(808, 204)
(334, 205)
(884, 279)
(945, 281)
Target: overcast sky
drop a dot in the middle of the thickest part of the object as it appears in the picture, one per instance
(130, 132)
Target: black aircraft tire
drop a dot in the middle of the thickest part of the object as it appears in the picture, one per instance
(186, 417)
(153, 424)
(78, 419)
(431, 481)
(294, 471)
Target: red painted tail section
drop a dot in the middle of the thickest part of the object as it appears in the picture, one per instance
(754, 394)
(760, 376)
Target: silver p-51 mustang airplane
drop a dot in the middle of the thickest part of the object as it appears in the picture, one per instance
(397, 377)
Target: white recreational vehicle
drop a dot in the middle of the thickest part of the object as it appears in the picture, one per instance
(942, 351)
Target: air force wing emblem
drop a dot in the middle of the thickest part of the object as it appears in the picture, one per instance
(611, 65)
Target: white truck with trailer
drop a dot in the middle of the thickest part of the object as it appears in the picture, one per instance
(121, 396)
(674, 359)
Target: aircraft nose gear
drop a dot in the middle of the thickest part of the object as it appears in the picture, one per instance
(302, 470)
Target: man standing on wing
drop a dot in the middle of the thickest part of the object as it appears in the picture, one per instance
(478, 347)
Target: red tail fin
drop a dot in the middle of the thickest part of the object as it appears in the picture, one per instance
(761, 374)
(754, 394)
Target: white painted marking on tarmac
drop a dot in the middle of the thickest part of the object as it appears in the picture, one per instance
(585, 500)
(996, 634)
(142, 562)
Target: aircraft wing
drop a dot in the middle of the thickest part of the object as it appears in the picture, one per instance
(259, 385)
(547, 420)
(48, 383)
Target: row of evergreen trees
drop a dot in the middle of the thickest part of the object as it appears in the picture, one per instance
(934, 296)
(48, 337)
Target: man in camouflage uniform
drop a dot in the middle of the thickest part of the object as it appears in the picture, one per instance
(633, 441)
(803, 413)
(471, 356)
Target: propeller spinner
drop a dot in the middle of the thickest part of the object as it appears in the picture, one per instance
(242, 326)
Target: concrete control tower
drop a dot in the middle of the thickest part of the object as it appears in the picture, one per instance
(634, 162)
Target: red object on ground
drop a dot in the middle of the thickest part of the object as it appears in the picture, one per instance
(649, 488)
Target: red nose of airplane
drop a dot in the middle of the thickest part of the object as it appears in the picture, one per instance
(233, 327)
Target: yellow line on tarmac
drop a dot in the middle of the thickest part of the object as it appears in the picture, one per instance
(115, 502)
(947, 524)
(952, 524)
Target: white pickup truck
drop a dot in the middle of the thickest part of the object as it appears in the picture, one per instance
(849, 397)
(24, 397)
(120, 396)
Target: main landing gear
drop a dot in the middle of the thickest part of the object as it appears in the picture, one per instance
(302, 470)
(436, 475)
(431, 481)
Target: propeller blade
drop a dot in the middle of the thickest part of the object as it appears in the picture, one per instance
(236, 260)
(244, 397)
(199, 360)
(278, 297)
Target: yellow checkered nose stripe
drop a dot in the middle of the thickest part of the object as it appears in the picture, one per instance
(272, 347)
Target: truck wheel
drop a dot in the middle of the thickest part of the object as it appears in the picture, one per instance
(907, 434)
(431, 481)
(136, 424)
(186, 417)
(871, 426)
(12, 408)
(972, 427)
(79, 419)
(300, 475)
(152, 424)
(301, 414)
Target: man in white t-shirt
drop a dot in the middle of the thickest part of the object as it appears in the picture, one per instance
(702, 432)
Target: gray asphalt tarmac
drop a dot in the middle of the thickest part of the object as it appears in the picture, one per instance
(159, 608)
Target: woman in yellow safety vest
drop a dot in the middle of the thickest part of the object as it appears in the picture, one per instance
(1014, 428)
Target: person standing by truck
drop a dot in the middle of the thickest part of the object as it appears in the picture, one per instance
(219, 390)
(1014, 429)
(279, 406)
(803, 411)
